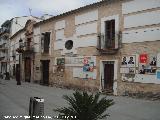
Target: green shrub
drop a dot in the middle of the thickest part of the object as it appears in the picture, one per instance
(85, 106)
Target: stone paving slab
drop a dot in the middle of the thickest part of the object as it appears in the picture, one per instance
(14, 100)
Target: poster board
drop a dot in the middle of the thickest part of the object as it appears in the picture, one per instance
(79, 61)
(124, 70)
(128, 64)
(149, 66)
(79, 73)
(158, 74)
(158, 60)
(128, 61)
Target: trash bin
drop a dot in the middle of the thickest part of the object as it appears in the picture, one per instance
(36, 108)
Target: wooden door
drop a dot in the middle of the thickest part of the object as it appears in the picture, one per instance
(108, 76)
(45, 72)
(27, 69)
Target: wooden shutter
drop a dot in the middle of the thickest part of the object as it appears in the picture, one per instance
(46, 42)
(110, 34)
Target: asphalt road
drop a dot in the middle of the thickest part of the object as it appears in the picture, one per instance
(14, 101)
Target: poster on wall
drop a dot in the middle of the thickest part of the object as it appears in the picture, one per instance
(128, 61)
(158, 74)
(124, 70)
(79, 73)
(158, 60)
(80, 61)
(147, 64)
(143, 58)
(88, 65)
(86, 71)
(60, 61)
(132, 70)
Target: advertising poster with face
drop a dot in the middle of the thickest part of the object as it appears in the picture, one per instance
(149, 67)
(128, 61)
(88, 64)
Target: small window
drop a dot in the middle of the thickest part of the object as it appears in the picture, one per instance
(69, 45)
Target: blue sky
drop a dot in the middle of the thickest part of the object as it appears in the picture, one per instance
(16, 8)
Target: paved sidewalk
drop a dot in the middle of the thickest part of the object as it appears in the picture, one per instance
(14, 100)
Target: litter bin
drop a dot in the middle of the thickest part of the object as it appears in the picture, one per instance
(36, 108)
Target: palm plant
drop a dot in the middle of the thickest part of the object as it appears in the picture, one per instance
(84, 106)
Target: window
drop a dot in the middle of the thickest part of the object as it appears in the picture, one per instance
(110, 33)
(45, 42)
(69, 45)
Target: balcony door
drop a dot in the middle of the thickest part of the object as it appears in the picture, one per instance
(110, 33)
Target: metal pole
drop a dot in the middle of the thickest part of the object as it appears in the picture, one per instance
(18, 73)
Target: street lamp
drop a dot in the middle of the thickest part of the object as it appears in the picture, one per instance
(18, 69)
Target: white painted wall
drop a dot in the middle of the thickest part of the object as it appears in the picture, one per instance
(142, 19)
(60, 34)
(146, 79)
(86, 17)
(60, 25)
(14, 45)
(150, 34)
(19, 23)
(86, 29)
(77, 42)
(86, 41)
(36, 30)
(58, 45)
(139, 5)
(37, 43)
(37, 39)
(78, 73)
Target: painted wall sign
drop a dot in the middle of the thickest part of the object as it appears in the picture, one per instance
(143, 58)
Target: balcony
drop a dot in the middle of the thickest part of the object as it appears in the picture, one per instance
(28, 47)
(108, 45)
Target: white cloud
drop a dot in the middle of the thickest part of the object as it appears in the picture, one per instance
(12, 8)
(7, 12)
(53, 6)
